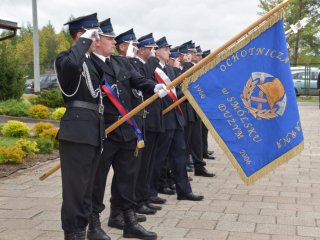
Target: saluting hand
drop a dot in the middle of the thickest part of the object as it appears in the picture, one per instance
(91, 34)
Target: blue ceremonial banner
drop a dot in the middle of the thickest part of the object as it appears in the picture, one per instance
(246, 98)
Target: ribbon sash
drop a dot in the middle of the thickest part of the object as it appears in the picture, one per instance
(122, 110)
(162, 77)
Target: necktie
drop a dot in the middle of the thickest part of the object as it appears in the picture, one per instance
(164, 69)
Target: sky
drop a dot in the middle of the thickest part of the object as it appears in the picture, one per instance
(209, 23)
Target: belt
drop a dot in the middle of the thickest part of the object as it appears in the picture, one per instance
(117, 117)
(112, 117)
(87, 105)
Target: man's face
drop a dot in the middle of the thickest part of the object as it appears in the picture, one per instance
(106, 46)
(193, 56)
(199, 58)
(163, 53)
(148, 52)
(123, 47)
(183, 58)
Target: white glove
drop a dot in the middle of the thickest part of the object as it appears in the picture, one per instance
(158, 87)
(131, 51)
(91, 34)
(163, 92)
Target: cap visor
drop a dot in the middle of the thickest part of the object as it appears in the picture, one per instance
(110, 34)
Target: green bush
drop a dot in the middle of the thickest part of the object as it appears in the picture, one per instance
(58, 113)
(15, 129)
(29, 147)
(51, 98)
(40, 127)
(11, 75)
(45, 145)
(38, 111)
(33, 99)
(1, 126)
(14, 107)
(11, 154)
(51, 134)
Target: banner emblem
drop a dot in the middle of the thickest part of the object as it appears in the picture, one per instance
(264, 96)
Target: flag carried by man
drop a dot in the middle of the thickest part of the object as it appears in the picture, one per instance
(245, 96)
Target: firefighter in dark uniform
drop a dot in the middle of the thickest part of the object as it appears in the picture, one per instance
(154, 124)
(81, 128)
(193, 130)
(127, 47)
(171, 142)
(121, 143)
(174, 61)
(167, 185)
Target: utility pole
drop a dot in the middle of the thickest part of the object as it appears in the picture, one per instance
(36, 62)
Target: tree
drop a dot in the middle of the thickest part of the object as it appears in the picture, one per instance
(11, 74)
(24, 51)
(305, 45)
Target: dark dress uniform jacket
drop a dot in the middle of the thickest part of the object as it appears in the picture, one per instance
(136, 98)
(78, 125)
(123, 77)
(154, 119)
(173, 119)
(189, 113)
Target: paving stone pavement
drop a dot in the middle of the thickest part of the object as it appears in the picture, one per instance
(285, 205)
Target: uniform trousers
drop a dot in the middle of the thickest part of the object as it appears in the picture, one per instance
(172, 144)
(119, 155)
(79, 164)
(146, 167)
(204, 139)
(193, 136)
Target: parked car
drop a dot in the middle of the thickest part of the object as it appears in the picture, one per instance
(301, 84)
(47, 81)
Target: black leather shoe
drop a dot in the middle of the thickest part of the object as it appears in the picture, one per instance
(132, 229)
(155, 207)
(141, 218)
(203, 172)
(167, 191)
(207, 156)
(190, 196)
(189, 169)
(210, 152)
(157, 200)
(95, 232)
(116, 218)
(144, 209)
(116, 223)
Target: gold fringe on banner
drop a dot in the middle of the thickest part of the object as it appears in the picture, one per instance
(242, 42)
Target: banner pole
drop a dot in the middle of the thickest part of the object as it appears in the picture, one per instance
(184, 75)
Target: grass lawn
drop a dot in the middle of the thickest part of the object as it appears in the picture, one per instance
(7, 141)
